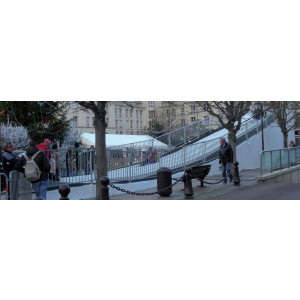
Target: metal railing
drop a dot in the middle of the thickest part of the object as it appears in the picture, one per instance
(273, 160)
(177, 159)
(126, 164)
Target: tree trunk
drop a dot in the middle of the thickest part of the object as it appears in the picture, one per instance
(232, 142)
(101, 162)
(285, 140)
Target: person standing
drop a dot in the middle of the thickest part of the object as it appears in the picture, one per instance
(40, 186)
(9, 160)
(225, 158)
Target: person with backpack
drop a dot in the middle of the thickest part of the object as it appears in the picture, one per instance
(36, 167)
(9, 160)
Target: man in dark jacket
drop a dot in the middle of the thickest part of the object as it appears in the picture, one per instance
(9, 160)
(225, 158)
(40, 186)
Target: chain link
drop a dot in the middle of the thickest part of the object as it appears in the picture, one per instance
(145, 194)
(212, 183)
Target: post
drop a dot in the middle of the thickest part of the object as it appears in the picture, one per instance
(236, 175)
(261, 165)
(188, 188)
(105, 190)
(64, 191)
(262, 133)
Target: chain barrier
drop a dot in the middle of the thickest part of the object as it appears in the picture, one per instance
(145, 194)
(212, 183)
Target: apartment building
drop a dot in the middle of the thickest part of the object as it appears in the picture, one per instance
(121, 117)
(175, 114)
(138, 117)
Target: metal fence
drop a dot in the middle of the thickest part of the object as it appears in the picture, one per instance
(279, 159)
(126, 164)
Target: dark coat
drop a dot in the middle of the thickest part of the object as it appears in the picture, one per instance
(225, 154)
(9, 161)
(41, 160)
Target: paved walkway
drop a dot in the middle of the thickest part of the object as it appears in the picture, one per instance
(249, 189)
(265, 191)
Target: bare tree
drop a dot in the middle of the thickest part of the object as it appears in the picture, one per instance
(287, 117)
(98, 108)
(229, 114)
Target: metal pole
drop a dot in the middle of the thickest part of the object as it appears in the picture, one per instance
(271, 160)
(261, 166)
(280, 158)
(262, 134)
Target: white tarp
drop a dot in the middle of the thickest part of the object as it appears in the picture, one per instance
(113, 140)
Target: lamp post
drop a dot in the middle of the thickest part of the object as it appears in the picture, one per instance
(259, 114)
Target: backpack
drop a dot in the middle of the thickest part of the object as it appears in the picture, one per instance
(32, 170)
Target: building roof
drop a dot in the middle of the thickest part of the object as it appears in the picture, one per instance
(113, 140)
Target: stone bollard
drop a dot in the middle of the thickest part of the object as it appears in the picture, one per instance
(188, 188)
(64, 191)
(105, 190)
(236, 175)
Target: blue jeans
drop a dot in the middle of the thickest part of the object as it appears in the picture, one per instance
(40, 188)
(226, 168)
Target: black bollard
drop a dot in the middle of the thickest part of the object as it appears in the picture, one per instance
(236, 174)
(64, 191)
(105, 190)
(164, 182)
(188, 188)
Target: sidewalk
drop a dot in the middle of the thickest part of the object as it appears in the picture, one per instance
(88, 192)
(248, 178)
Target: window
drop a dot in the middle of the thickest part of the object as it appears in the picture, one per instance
(193, 109)
(75, 120)
(182, 111)
(120, 112)
(137, 124)
(131, 112)
(120, 124)
(151, 114)
(137, 132)
(151, 104)
(126, 113)
(116, 123)
(131, 124)
(141, 124)
(151, 124)
(74, 107)
(183, 122)
(87, 121)
(141, 114)
(116, 112)
(173, 112)
(93, 121)
(206, 120)
(193, 119)
(121, 132)
(137, 114)
(127, 124)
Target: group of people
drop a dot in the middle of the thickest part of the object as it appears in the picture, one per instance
(38, 158)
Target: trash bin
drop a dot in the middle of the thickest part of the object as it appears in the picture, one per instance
(164, 179)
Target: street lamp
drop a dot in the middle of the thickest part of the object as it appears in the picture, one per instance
(259, 114)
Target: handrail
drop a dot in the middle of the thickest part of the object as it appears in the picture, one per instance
(277, 159)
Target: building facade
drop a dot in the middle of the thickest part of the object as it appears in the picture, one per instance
(140, 117)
